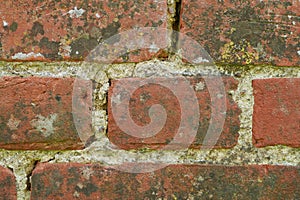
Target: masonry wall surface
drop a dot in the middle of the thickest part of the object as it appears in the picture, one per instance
(192, 65)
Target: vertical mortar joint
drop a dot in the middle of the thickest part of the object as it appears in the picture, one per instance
(176, 25)
(28, 181)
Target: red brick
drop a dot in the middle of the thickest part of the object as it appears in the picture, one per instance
(92, 181)
(58, 30)
(144, 97)
(276, 115)
(245, 31)
(7, 184)
(36, 113)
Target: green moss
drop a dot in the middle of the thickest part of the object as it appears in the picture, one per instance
(13, 27)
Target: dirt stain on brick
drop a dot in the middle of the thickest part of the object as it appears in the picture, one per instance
(50, 49)
(111, 30)
(82, 46)
(37, 28)
(268, 28)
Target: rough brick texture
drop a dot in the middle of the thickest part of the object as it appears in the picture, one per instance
(245, 31)
(56, 30)
(7, 184)
(146, 96)
(61, 117)
(276, 116)
(91, 181)
(36, 113)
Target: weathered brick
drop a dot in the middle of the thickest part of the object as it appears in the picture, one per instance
(146, 96)
(92, 181)
(7, 184)
(36, 113)
(48, 30)
(276, 115)
(245, 31)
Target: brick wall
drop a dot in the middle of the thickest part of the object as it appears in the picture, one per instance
(205, 104)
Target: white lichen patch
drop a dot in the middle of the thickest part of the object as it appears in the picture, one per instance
(44, 125)
(298, 52)
(80, 185)
(13, 123)
(153, 48)
(76, 194)
(75, 13)
(5, 23)
(86, 172)
(97, 15)
(200, 60)
(65, 50)
(22, 56)
(199, 86)
(117, 99)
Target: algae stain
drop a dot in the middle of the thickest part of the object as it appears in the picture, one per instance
(13, 27)
(81, 47)
(37, 28)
